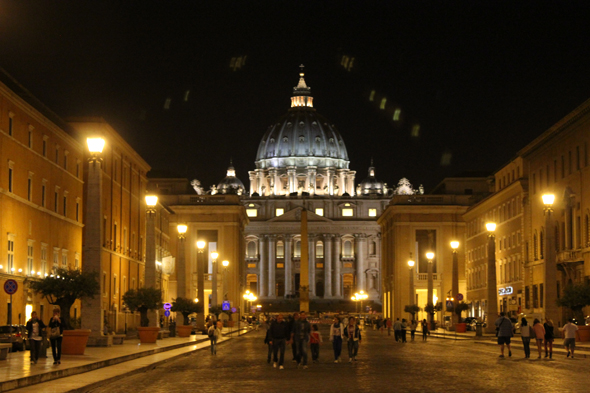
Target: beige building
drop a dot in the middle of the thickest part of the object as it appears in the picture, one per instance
(41, 195)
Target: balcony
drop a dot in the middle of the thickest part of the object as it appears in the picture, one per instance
(568, 256)
(424, 276)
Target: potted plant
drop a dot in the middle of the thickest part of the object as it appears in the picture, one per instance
(576, 297)
(186, 307)
(413, 310)
(61, 289)
(144, 300)
(459, 308)
(431, 309)
(217, 310)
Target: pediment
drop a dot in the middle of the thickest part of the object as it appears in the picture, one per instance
(294, 215)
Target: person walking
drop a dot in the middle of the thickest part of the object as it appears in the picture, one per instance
(214, 332)
(424, 330)
(569, 337)
(539, 335)
(300, 336)
(397, 329)
(55, 336)
(279, 332)
(404, 330)
(336, 332)
(413, 327)
(525, 334)
(353, 334)
(35, 328)
(549, 337)
(292, 321)
(504, 333)
(389, 326)
(268, 343)
(315, 339)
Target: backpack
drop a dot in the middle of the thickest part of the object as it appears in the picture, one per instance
(211, 332)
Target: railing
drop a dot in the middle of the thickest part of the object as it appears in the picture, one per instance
(569, 256)
(424, 276)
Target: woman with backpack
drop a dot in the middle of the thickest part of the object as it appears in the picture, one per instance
(214, 332)
(525, 334)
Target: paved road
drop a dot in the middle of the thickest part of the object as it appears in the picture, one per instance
(383, 366)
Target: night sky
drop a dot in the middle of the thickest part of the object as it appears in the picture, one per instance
(475, 81)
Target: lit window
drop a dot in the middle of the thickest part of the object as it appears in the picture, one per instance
(347, 213)
(319, 211)
(251, 205)
(252, 212)
(372, 212)
(279, 212)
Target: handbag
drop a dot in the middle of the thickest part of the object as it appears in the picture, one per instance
(55, 333)
(498, 327)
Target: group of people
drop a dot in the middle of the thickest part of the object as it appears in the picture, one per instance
(37, 331)
(542, 333)
(400, 329)
(300, 334)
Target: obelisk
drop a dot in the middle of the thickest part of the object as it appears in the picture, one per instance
(304, 269)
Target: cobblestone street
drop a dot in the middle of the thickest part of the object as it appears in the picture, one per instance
(383, 365)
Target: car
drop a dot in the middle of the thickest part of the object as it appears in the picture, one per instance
(15, 335)
(472, 323)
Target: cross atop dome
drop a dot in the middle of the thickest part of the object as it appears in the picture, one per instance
(301, 93)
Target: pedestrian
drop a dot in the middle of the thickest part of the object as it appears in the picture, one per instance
(424, 330)
(55, 336)
(315, 339)
(214, 332)
(389, 326)
(504, 333)
(292, 321)
(525, 334)
(397, 329)
(300, 335)
(549, 337)
(279, 332)
(268, 343)
(35, 328)
(336, 332)
(413, 327)
(539, 335)
(569, 337)
(404, 330)
(353, 334)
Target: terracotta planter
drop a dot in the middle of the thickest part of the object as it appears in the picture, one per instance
(230, 323)
(460, 327)
(74, 342)
(184, 330)
(148, 335)
(584, 333)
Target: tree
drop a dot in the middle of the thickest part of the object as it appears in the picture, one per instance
(459, 308)
(216, 310)
(412, 309)
(143, 300)
(63, 287)
(576, 297)
(186, 307)
(431, 308)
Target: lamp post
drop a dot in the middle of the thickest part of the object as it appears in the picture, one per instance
(550, 293)
(430, 299)
(214, 256)
(492, 300)
(455, 279)
(93, 243)
(181, 262)
(359, 297)
(224, 284)
(411, 264)
(201, 282)
(150, 250)
(249, 297)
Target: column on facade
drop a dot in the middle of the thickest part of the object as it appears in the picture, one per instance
(288, 240)
(360, 245)
(263, 266)
(272, 263)
(253, 183)
(312, 247)
(328, 265)
(569, 224)
(274, 180)
(341, 173)
(292, 176)
(350, 188)
(337, 279)
(329, 175)
(259, 181)
(311, 179)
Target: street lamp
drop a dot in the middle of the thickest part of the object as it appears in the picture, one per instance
(359, 297)
(550, 293)
(224, 284)
(249, 297)
(150, 250)
(455, 277)
(492, 285)
(411, 264)
(181, 271)
(201, 281)
(214, 256)
(430, 298)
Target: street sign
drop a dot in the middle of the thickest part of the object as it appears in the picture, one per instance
(234, 310)
(225, 306)
(449, 304)
(167, 313)
(167, 306)
(459, 296)
(10, 286)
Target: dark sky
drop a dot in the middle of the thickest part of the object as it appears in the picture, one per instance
(481, 79)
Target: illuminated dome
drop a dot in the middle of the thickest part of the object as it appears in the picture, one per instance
(230, 184)
(371, 185)
(302, 137)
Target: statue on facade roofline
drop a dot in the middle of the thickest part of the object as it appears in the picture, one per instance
(197, 187)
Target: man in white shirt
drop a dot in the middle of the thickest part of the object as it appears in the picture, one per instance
(569, 334)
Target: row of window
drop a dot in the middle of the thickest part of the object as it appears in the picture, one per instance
(60, 259)
(555, 172)
(508, 210)
(508, 179)
(252, 211)
(507, 271)
(347, 249)
(537, 299)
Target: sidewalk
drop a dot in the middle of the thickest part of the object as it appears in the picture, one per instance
(17, 372)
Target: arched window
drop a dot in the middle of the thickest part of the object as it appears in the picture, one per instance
(347, 249)
(297, 249)
(251, 250)
(319, 250)
(280, 249)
